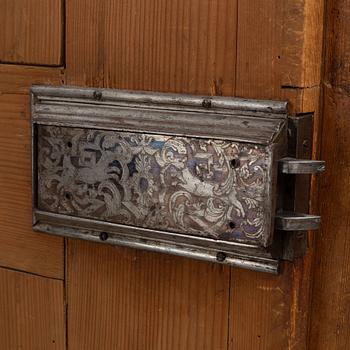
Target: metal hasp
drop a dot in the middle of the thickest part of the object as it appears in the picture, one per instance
(201, 177)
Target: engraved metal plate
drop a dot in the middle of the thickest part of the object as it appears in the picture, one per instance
(193, 176)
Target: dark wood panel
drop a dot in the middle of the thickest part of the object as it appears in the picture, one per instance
(32, 31)
(128, 299)
(32, 312)
(331, 304)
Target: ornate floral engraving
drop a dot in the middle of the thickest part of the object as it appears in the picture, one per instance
(192, 186)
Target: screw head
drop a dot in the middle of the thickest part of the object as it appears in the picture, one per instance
(206, 103)
(103, 236)
(97, 95)
(221, 256)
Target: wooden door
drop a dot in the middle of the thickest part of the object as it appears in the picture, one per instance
(60, 293)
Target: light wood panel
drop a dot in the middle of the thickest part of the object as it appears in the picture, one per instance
(18, 79)
(32, 312)
(301, 47)
(21, 248)
(127, 299)
(32, 31)
(331, 304)
(270, 312)
(260, 303)
(140, 300)
(178, 45)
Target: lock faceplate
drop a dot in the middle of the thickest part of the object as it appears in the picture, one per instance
(188, 175)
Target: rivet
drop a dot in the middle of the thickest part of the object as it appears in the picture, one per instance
(220, 256)
(103, 236)
(206, 103)
(97, 95)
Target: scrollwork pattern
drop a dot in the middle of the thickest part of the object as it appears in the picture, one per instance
(178, 184)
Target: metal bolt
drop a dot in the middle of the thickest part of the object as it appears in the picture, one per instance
(206, 103)
(103, 236)
(220, 256)
(97, 95)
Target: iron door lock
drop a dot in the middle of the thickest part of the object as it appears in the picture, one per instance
(212, 178)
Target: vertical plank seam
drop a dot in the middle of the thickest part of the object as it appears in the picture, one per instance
(63, 34)
(318, 153)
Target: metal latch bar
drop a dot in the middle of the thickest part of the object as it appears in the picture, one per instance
(301, 166)
(290, 221)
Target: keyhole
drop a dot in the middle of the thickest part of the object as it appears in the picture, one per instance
(103, 236)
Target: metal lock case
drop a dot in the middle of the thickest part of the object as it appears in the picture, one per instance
(202, 177)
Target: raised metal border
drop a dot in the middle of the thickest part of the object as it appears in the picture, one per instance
(253, 121)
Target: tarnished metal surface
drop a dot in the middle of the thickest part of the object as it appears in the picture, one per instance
(189, 175)
(211, 188)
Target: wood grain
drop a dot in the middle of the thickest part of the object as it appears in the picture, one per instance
(179, 45)
(209, 47)
(32, 312)
(127, 299)
(260, 304)
(32, 31)
(269, 49)
(21, 248)
(331, 305)
(18, 79)
(301, 46)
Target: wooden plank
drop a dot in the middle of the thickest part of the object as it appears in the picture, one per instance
(32, 312)
(301, 46)
(21, 248)
(260, 304)
(259, 310)
(128, 299)
(331, 305)
(32, 32)
(16, 79)
(279, 44)
(190, 46)
(178, 45)
(271, 44)
(259, 49)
